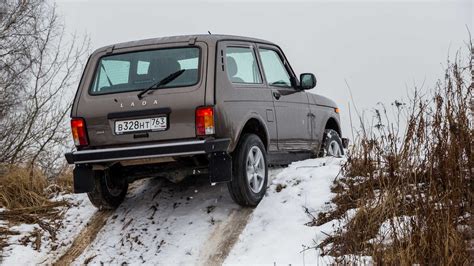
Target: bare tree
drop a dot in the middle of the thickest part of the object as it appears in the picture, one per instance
(39, 64)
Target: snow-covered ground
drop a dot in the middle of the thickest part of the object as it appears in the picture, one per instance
(276, 232)
(162, 222)
(75, 219)
(195, 223)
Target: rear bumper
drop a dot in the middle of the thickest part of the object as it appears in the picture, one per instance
(182, 148)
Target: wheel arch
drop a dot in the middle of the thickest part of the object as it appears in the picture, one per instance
(255, 125)
(332, 123)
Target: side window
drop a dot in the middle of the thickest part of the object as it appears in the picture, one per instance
(242, 66)
(273, 67)
(112, 72)
(143, 67)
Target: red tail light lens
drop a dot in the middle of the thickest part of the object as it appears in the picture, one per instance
(205, 121)
(79, 133)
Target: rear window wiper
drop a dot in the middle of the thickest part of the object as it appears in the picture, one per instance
(161, 83)
(106, 75)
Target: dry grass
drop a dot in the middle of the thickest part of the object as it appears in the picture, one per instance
(26, 198)
(423, 175)
(63, 183)
(20, 188)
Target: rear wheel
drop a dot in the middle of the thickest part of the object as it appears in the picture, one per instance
(250, 171)
(108, 192)
(332, 144)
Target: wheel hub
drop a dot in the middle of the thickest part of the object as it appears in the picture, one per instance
(255, 169)
(334, 149)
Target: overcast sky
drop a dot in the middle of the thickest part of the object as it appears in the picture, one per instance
(383, 49)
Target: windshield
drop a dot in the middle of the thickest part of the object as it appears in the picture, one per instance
(140, 70)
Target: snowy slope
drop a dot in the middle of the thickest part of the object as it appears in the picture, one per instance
(162, 222)
(191, 222)
(195, 223)
(277, 233)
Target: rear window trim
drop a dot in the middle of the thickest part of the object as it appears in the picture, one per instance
(97, 65)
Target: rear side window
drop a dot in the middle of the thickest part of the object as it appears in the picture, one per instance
(139, 70)
(242, 66)
(273, 67)
(114, 72)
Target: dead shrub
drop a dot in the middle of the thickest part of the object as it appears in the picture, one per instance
(19, 188)
(26, 197)
(421, 175)
(63, 183)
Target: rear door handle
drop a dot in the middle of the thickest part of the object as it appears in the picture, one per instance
(276, 95)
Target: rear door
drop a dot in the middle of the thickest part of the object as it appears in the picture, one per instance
(291, 105)
(113, 112)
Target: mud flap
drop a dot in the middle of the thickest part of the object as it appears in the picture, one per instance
(220, 167)
(83, 179)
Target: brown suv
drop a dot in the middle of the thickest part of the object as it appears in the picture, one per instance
(225, 106)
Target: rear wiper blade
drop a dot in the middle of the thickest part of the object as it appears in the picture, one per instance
(106, 75)
(161, 83)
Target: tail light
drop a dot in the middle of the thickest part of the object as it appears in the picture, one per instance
(79, 133)
(205, 121)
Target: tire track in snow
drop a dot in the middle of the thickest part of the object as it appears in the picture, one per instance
(166, 223)
(85, 237)
(186, 223)
(224, 237)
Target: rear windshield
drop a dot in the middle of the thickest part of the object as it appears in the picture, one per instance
(139, 70)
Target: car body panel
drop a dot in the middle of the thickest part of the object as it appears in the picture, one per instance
(236, 104)
(291, 110)
(294, 122)
(322, 110)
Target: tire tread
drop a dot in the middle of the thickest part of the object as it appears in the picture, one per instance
(238, 189)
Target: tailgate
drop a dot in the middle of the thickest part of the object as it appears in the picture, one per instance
(113, 113)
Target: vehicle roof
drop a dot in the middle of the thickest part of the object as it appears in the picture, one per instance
(208, 38)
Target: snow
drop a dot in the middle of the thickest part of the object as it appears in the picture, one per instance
(195, 223)
(277, 234)
(75, 218)
(162, 222)
(399, 226)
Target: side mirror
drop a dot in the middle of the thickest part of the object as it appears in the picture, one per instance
(307, 81)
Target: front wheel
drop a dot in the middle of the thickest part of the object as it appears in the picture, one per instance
(250, 171)
(108, 191)
(332, 144)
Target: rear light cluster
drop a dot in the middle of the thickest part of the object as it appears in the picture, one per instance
(205, 121)
(79, 133)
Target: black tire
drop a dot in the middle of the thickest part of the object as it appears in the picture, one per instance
(330, 139)
(108, 192)
(240, 188)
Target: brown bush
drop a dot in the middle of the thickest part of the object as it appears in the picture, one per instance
(26, 197)
(19, 188)
(423, 174)
(64, 181)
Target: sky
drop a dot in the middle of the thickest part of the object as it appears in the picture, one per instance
(380, 49)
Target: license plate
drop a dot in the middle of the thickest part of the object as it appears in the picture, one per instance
(144, 124)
